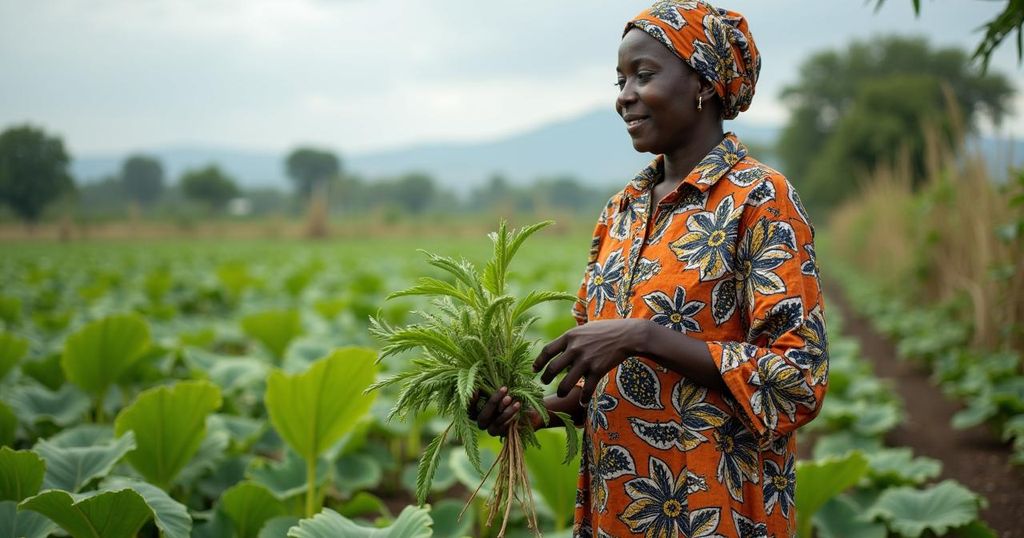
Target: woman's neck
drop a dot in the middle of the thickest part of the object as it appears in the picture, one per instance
(682, 160)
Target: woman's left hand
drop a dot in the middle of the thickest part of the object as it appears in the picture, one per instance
(590, 351)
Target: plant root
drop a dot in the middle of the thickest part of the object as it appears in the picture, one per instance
(512, 485)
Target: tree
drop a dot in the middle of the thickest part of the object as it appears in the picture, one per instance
(855, 109)
(143, 179)
(309, 167)
(209, 186)
(33, 170)
(414, 192)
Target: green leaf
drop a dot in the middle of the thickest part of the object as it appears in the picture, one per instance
(76, 456)
(411, 523)
(34, 403)
(446, 519)
(12, 349)
(169, 425)
(250, 505)
(428, 465)
(898, 466)
(97, 354)
(842, 518)
(977, 412)
(287, 477)
(97, 514)
(469, 476)
(16, 523)
(278, 526)
(10, 310)
(8, 425)
(21, 474)
(939, 508)
(364, 504)
(551, 476)
(443, 478)
(170, 516)
(212, 451)
(312, 410)
(819, 481)
(275, 329)
(355, 472)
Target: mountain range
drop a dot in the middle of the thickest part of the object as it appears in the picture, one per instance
(593, 147)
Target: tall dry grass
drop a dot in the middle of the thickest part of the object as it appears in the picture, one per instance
(950, 239)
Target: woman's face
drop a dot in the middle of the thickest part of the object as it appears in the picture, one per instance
(657, 94)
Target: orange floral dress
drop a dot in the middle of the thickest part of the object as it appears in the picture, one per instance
(728, 257)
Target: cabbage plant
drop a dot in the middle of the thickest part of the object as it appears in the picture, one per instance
(473, 339)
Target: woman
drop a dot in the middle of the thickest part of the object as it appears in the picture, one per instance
(701, 341)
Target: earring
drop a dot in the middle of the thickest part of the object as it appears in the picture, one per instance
(700, 99)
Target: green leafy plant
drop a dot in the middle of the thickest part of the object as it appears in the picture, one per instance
(313, 409)
(411, 523)
(99, 353)
(169, 425)
(473, 339)
(275, 329)
(819, 481)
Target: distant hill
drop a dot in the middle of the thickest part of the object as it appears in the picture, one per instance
(593, 147)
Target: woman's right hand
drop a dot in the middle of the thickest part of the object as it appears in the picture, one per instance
(498, 412)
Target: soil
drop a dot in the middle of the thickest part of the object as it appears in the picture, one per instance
(975, 457)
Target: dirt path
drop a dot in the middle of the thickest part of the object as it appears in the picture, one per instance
(974, 456)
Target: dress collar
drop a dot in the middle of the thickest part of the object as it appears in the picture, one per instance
(708, 171)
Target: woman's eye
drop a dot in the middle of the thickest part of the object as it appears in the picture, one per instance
(621, 83)
(644, 76)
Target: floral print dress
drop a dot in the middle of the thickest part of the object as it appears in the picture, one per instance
(728, 257)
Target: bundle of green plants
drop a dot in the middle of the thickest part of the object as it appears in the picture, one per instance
(473, 340)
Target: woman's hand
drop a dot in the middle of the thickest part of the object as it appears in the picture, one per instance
(589, 352)
(498, 412)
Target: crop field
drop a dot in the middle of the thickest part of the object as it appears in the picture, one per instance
(217, 390)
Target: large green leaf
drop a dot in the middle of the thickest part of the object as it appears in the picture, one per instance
(211, 453)
(411, 523)
(313, 409)
(250, 505)
(170, 516)
(12, 349)
(21, 474)
(97, 354)
(285, 478)
(820, 480)
(275, 329)
(169, 425)
(97, 514)
(842, 518)
(16, 523)
(910, 512)
(33, 403)
(76, 456)
(554, 479)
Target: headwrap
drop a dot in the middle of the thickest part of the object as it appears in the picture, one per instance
(715, 42)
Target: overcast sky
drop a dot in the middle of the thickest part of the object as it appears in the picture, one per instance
(355, 75)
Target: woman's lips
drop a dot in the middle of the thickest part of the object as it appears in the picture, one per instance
(635, 124)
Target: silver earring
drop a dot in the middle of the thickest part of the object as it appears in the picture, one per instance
(700, 99)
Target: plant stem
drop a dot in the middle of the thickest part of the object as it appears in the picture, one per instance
(310, 485)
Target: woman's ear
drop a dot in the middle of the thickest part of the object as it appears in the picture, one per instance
(706, 90)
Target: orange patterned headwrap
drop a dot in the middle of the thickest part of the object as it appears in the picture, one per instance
(715, 42)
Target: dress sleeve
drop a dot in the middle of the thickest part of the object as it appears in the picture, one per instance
(579, 308)
(778, 375)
